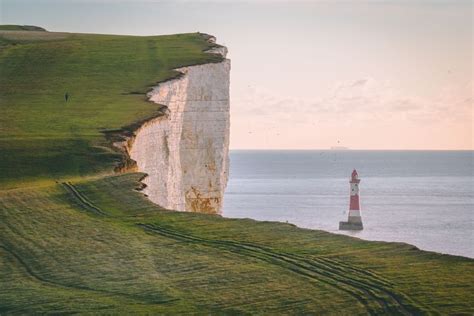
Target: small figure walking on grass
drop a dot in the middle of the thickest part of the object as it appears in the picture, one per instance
(66, 96)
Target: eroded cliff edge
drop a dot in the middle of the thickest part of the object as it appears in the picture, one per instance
(185, 153)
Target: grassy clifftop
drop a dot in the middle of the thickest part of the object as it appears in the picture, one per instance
(12, 27)
(43, 137)
(77, 238)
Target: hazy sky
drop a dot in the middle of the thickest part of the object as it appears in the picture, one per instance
(313, 74)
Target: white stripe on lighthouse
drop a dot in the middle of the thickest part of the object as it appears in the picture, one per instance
(354, 189)
(354, 213)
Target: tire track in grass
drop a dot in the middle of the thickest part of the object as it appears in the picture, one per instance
(35, 276)
(82, 200)
(364, 287)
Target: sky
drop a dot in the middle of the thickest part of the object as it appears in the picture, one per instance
(313, 74)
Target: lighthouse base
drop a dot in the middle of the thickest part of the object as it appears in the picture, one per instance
(351, 225)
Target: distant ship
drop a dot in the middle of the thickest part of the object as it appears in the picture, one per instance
(339, 148)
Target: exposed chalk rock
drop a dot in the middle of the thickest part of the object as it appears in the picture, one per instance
(221, 50)
(186, 152)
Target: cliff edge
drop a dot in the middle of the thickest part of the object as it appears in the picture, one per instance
(185, 153)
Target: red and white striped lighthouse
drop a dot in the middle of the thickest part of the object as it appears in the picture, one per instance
(355, 220)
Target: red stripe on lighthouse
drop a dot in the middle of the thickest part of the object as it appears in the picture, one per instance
(354, 204)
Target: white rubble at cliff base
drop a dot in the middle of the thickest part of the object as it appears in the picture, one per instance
(186, 152)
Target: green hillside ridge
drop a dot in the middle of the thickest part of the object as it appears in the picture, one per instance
(75, 237)
(43, 137)
(12, 27)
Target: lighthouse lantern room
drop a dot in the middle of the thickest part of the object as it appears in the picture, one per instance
(355, 220)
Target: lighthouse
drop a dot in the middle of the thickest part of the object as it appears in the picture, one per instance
(355, 221)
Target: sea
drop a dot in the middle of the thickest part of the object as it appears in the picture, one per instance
(424, 198)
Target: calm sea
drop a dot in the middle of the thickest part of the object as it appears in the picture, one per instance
(425, 198)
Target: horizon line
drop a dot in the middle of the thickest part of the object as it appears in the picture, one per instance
(349, 149)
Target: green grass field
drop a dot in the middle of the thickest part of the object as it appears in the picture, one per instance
(77, 238)
(43, 137)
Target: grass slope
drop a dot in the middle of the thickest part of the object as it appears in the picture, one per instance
(12, 27)
(75, 238)
(99, 245)
(43, 136)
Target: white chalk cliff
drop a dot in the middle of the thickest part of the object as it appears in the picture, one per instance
(185, 153)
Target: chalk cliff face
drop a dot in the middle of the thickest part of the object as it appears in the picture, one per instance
(185, 152)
